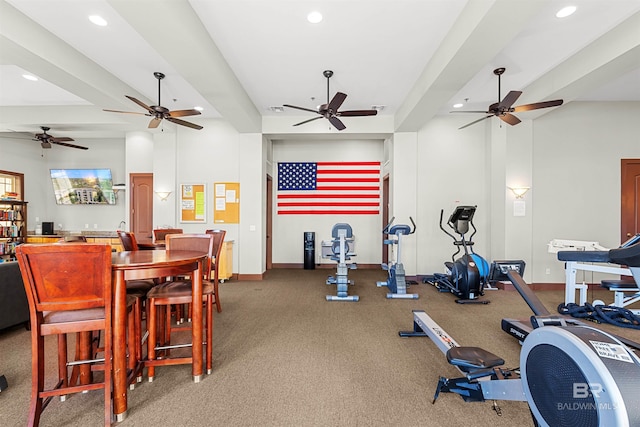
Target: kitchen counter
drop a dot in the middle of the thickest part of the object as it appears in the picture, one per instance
(92, 237)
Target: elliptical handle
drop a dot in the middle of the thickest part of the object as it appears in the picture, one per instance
(385, 230)
(445, 231)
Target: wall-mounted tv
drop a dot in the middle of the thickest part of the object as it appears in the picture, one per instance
(83, 186)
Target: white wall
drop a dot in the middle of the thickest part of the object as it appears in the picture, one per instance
(576, 176)
(288, 230)
(570, 157)
(27, 157)
(452, 171)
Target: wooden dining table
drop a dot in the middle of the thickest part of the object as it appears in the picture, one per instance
(139, 265)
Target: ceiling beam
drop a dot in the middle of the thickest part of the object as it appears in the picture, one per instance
(607, 58)
(481, 31)
(28, 45)
(194, 55)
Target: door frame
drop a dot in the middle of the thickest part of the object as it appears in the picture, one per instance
(629, 198)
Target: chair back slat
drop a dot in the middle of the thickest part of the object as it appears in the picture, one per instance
(218, 240)
(193, 242)
(66, 276)
(160, 234)
(128, 240)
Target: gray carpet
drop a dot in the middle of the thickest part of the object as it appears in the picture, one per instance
(283, 356)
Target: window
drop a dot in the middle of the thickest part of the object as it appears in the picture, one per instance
(10, 183)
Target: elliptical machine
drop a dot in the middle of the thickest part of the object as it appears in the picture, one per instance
(468, 274)
(396, 282)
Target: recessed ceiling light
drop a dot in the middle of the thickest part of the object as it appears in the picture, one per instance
(565, 11)
(378, 107)
(314, 17)
(98, 20)
(30, 77)
(277, 109)
(458, 105)
(198, 108)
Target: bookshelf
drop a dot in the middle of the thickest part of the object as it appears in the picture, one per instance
(13, 227)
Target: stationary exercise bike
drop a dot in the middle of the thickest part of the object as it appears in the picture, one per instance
(571, 376)
(396, 282)
(341, 249)
(468, 274)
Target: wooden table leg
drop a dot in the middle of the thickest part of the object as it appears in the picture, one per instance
(196, 325)
(119, 347)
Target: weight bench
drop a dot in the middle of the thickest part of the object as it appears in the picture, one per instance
(624, 292)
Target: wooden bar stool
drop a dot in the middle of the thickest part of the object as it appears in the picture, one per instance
(218, 240)
(68, 286)
(137, 289)
(174, 292)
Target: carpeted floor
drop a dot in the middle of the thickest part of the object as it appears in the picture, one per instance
(284, 356)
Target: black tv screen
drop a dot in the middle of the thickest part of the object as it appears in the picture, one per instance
(83, 186)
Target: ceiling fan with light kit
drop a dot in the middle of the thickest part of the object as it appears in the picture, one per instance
(159, 113)
(45, 138)
(503, 109)
(330, 110)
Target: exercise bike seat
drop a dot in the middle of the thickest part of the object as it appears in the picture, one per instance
(470, 359)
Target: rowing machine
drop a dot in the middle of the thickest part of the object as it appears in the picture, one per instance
(569, 375)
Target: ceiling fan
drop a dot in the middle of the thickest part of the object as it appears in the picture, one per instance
(503, 109)
(46, 139)
(158, 112)
(330, 110)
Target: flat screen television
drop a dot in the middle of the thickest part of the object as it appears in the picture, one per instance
(83, 186)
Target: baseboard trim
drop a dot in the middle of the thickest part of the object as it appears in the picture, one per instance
(322, 266)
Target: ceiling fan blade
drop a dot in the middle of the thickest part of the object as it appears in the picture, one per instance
(57, 141)
(183, 113)
(538, 105)
(184, 123)
(475, 121)
(469, 111)
(140, 103)
(336, 101)
(509, 118)
(357, 113)
(16, 135)
(337, 123)
(300, 108)
(509, 100)
(127, 112)
(154, 123)
(307, 121)
(62, 139)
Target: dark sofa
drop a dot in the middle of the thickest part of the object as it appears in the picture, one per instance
(14, 307)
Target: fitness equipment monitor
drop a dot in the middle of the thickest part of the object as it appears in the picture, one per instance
(499, 269)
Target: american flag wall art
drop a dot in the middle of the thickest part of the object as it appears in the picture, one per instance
(328, 188)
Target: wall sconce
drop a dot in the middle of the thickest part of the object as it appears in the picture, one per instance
(519, 192)
(163, 195)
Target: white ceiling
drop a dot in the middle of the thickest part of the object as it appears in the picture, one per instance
(237, 58)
